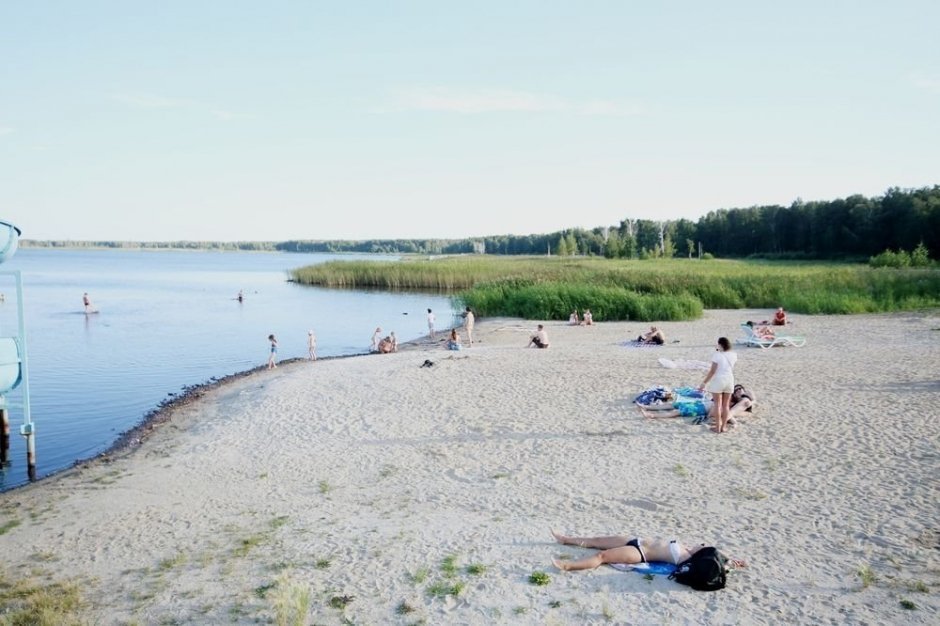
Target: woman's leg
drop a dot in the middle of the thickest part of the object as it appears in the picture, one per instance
(598, 543)
(722, 401)
(623, 554)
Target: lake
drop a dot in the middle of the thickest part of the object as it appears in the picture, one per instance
(168, 320)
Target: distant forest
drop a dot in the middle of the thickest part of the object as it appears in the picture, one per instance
(853, 228)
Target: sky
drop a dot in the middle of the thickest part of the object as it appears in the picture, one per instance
(231, 120)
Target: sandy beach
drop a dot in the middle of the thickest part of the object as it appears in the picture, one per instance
(377, 486)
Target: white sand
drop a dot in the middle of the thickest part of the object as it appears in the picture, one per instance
(384, 469)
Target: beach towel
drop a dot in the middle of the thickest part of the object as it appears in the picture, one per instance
(684, 364)
(633, 343)
(653, 395)
(660, 568)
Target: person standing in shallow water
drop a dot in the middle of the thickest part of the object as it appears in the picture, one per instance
(272, 357)
(311, 345)
(86, 301)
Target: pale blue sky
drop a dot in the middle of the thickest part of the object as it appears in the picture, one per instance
(279, 120)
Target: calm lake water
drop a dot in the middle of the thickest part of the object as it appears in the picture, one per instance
(167, 320)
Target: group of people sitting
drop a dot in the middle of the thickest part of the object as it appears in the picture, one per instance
(581, 320)
(384, 345)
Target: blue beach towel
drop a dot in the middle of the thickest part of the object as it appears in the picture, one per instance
(657, 568)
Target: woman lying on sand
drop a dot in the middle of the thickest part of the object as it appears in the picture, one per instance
(619, 549)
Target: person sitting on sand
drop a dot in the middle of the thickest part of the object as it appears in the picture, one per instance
(742, 403)
(687, 407)
(588, 319)
(653, 336)
(780, 317)
(453, 342)
(622, 549)
(387, 344)
(539, 339)
(573, 319)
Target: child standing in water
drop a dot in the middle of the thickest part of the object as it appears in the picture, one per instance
(273, 356)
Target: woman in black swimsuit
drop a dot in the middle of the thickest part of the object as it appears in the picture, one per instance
(619, 549)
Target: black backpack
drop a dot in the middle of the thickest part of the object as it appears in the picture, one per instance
(705, 570)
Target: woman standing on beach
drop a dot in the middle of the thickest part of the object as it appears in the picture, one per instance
(273, 355)
(720, 382)
(311, 345)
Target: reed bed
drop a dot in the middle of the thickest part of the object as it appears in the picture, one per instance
(677, 289)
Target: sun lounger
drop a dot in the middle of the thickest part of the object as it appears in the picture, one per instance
(752, 339)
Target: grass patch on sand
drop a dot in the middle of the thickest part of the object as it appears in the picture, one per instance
(419, 575)
(443, 589)
(171, 563)
(324, 486)
(907, 605)
(449, 566)
(539, 578)
(476, 569)
(27, 601)
(290, 600)
(9, 525)
(866, 576)
(681, 470)
(247, 544)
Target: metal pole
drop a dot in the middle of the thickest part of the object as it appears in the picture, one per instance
(4, 435)
(28, 429)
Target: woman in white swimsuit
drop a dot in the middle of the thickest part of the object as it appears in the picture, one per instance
(617, 549)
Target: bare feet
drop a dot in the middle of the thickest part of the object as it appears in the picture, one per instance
(737, 562)
(562, 539)
(560, 565)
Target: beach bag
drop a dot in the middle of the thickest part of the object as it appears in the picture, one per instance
(704, 571)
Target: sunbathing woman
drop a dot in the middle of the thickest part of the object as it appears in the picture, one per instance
(618, 549)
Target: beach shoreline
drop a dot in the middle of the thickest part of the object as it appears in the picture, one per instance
(389, 484)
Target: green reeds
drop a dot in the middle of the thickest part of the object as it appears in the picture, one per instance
(675, 289)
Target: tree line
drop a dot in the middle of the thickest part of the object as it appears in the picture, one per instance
(855, 228)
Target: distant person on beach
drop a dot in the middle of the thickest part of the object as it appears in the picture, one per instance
(272, 357)
(627, 550)
(588, 319)
(468, 321)
(311, 345)
(394, 341)
(539, 339)
(240, 297)
(376, 338)
(573, 319)
(653, 336)
(385, 345)
(86, 301)
(431, 324)
(453, 342)
(762, 331)
(719, 381)
(780, 317)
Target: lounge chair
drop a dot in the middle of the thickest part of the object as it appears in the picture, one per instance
(751, 338)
